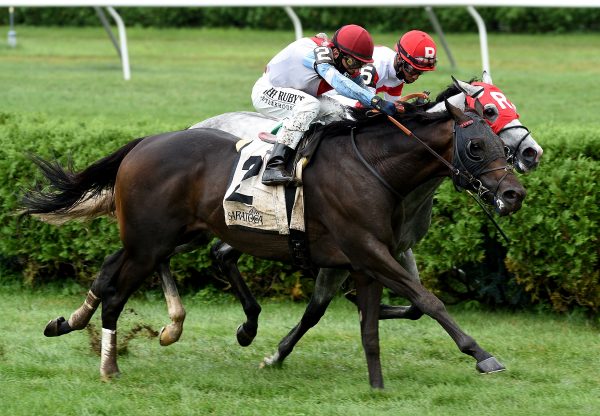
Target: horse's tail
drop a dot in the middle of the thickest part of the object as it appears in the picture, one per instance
(70, 195)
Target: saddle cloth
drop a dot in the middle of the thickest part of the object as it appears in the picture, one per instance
(250, 204)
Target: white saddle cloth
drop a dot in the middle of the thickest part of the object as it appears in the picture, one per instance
(250, 204)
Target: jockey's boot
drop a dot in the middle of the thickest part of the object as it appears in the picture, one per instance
(275, 172)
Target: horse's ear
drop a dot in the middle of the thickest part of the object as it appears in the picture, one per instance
(479, 107)
(468, 89)
(487, 78)
(455, 112)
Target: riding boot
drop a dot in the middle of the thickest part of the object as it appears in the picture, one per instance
(275, 172)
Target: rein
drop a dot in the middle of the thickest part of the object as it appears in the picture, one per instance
(371, 168)
(456, 172)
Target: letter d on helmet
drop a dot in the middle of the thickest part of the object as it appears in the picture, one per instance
(355, 41)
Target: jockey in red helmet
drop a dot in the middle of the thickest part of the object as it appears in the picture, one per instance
(417, 53)
(414, 54)
(297, 76)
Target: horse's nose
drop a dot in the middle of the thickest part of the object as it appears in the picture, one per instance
(531, 156)
(514, 196)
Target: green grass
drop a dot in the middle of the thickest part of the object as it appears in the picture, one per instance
(180, 77)
(552, 364)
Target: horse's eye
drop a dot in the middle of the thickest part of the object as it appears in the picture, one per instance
(489, 112)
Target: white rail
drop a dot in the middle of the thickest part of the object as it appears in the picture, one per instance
(428, 4)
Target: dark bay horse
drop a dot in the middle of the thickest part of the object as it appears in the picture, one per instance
(168, 192)
(499, 112)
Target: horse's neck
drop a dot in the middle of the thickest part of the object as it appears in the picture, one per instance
(457, 100)
(403, 162)
(414, 214)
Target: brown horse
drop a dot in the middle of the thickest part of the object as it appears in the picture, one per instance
(168, 192)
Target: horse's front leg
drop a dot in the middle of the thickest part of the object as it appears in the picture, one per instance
(326, 286)
(368, 292)
(81, 317)
(226, 258)
(171, 333)
(385, 269)
(408, 262)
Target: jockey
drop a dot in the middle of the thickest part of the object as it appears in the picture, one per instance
(299, 74)
(414, 54)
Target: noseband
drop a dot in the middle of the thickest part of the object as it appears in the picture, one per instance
(511, 156)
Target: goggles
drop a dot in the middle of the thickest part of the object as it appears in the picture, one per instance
(421, 61)
(409, 69)
(352, 63)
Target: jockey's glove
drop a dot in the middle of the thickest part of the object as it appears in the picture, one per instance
(423, 100)
(386, 107)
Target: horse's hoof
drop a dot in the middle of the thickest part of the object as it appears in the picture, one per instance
(53, 327)
(490, 365)
(166, 337)
(271, 362)
(107, 378)
(244, 338)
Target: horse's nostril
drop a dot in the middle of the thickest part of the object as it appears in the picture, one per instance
(513, 195)
(509, 195)
(529, 154)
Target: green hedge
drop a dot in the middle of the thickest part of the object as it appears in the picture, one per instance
(387, 19)
(41, 252)
(553, 254)
(552, 259)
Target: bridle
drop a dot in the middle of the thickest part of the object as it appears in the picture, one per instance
(465, 174)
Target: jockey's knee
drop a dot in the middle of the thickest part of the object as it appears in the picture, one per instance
(304, 113)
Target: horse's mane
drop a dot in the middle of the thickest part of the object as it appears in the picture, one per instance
(450, 91)
(362, 117)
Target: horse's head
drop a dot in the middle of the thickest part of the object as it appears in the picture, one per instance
(501, 114)
(480, 164)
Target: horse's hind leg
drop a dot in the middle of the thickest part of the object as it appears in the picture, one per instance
(81, 317)
(227, 257)
(326, 286)
(114, 295)
(171, 333)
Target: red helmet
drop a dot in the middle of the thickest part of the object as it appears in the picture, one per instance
(418, 49)
(355, 41)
